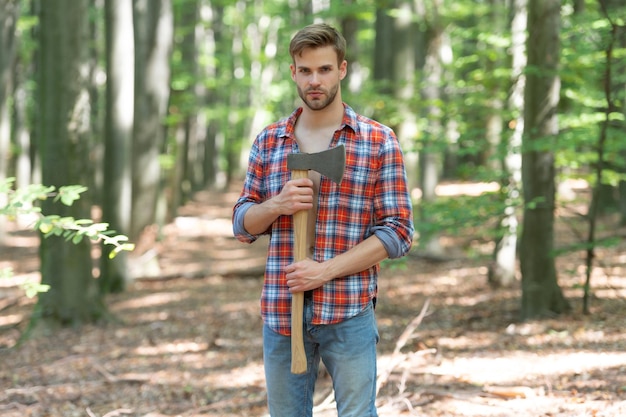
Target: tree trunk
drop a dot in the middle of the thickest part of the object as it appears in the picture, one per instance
(153, 23)
(430, 159)
(194, 127)
(8, 23)
(116, 202)
(212, 42)
(64, 127)
(616, 11)
(502, 270)
(541, 294)
(493, 86)
(350, 29)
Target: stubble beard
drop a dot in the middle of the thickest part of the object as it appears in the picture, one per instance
(323, 102)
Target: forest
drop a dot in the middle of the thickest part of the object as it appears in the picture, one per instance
(119, 118)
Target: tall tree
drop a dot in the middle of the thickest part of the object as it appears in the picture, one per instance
(154, 26)
(64, 127)
(430, 159)
(502, 271)
(185, 176)
(541, 294)
(8, 24)
(116, 202)
(615, 88)
(212, 17)
(23, 106)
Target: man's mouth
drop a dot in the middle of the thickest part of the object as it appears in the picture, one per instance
(315, 93)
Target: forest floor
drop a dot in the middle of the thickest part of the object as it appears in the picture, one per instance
(188, 339)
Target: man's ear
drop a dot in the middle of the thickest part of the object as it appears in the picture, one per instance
(292, 67)
(343, 69)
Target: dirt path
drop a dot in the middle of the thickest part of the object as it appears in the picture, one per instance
(188, 341)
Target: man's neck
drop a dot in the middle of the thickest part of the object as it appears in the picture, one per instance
(330, 117)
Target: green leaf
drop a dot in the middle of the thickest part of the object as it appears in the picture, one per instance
(33, 288)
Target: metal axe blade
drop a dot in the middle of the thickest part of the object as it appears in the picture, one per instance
(331, 163)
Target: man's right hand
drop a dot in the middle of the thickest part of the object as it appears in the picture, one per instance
(296, 195)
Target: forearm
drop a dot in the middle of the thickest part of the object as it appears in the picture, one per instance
(361, 257)
(296, 195)
(260, 217)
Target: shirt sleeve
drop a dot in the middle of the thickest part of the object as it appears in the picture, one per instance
(394, 210)
(238, 222)
(390, 240)
(251, 194)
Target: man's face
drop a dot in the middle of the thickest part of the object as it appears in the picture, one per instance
(317, 76)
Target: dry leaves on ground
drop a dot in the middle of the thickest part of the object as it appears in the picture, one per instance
(188, 339)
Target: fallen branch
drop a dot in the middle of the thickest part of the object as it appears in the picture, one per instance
(114, 413)
(397, 357)
(511, 392)
(11, 405)
(110, 378)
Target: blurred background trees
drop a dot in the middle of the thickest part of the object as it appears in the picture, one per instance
(147, 101)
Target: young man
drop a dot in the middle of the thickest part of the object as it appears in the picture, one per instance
(353, 226)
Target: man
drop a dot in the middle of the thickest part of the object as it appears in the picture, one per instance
(353, 226)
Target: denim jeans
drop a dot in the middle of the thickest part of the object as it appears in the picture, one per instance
(348, 350)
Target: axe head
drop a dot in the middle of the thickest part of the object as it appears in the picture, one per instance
(330, 163)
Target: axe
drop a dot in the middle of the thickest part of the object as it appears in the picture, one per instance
(330, 163)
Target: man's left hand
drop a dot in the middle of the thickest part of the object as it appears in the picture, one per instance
(305, 275)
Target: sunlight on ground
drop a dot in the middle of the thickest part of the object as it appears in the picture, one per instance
(250, 374)
(151, 300)
(195, 226)
(169, 348)
(11, 319)
(17, 280)
(505, 369)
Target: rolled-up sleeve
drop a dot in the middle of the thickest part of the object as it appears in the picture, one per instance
(251, 194)
(239, 230)
(394, 209)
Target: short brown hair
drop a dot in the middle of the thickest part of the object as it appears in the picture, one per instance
(315, 36)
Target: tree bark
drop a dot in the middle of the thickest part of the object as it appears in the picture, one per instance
(503, 270)
(8, 24)
(212, 44)
(430, 159)
(64, 128)
(616, 11)
(120, 93)
(153, 23)
(541, 294)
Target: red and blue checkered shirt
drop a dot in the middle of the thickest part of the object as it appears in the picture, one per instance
(372, 198)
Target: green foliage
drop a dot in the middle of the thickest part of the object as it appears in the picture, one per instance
(23, 201)
(242, 70)
(583, 101)
(74, 230)
(456, 215)
(31, 289)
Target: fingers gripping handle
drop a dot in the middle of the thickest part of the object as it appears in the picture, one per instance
(300, 219)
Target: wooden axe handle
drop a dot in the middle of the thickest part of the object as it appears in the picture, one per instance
(300, 220)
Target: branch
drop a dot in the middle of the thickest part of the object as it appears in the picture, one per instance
(397, 357)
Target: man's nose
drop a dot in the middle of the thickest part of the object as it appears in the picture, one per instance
(315, 80)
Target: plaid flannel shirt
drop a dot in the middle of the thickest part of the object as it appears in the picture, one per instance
(372, 199)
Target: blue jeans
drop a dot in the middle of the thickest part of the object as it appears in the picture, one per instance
(348, 350)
